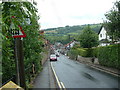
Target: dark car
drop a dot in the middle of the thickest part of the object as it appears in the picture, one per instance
(53, 57)
(57, 55)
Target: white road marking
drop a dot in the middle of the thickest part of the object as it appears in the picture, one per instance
(63, 86)
(56, 77)
(106, 71)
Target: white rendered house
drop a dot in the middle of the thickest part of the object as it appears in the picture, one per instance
(103, 36)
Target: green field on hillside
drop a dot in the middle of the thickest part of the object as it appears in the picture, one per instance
(67, 33)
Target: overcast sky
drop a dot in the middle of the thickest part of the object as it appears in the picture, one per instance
(58, 13)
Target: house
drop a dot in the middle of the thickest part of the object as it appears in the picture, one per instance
(71, 44)
(104, 38)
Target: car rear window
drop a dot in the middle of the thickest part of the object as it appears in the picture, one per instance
(52, 56)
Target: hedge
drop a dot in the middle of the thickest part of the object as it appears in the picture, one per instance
(109, 55)
(85, 52)
(73, 53)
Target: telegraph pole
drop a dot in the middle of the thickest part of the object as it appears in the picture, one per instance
(16, 60)
(17, 34)
(19, 62)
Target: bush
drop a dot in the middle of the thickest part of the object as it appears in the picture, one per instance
(73, 53)
(95, 52)
(82, 52)
(108, 56)
(32, 44)
(85, 52)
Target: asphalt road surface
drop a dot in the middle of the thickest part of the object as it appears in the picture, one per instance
(73, 74)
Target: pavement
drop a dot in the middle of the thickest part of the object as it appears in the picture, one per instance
(109, 70)
(96, 65)
(45, 78)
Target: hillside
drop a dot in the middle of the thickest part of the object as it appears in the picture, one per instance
(71, 29)
(61, 33)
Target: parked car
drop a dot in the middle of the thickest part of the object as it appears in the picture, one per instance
(53, 57)
(57, 55)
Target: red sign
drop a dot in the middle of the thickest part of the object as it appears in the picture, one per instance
(20, 33)
(41, 32)
(16, 33)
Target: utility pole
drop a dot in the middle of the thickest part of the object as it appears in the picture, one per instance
(19, 62)
(18, 34)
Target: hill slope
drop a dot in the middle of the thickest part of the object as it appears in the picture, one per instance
(61, 34)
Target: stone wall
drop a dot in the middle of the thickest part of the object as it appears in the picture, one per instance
(89, 60)
(45, 57)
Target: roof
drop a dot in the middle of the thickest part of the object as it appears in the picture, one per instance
(100, 29)
(69, 43)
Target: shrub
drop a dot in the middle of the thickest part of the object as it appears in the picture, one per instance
(82, 52)
(73, 53)
(32, 44)
(109, 56)
(85, 52)
(95, 52)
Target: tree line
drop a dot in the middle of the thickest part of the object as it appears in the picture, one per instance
(25, 14)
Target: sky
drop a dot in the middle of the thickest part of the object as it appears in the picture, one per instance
(59, 13)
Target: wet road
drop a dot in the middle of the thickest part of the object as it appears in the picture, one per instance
(76, 75)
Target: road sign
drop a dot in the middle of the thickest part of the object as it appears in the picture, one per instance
(16, 33)
(41, 31)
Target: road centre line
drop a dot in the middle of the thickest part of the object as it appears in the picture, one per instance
(56, 77)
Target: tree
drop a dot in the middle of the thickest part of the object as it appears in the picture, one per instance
(32, 44)
(88, 38)
(112, 23)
